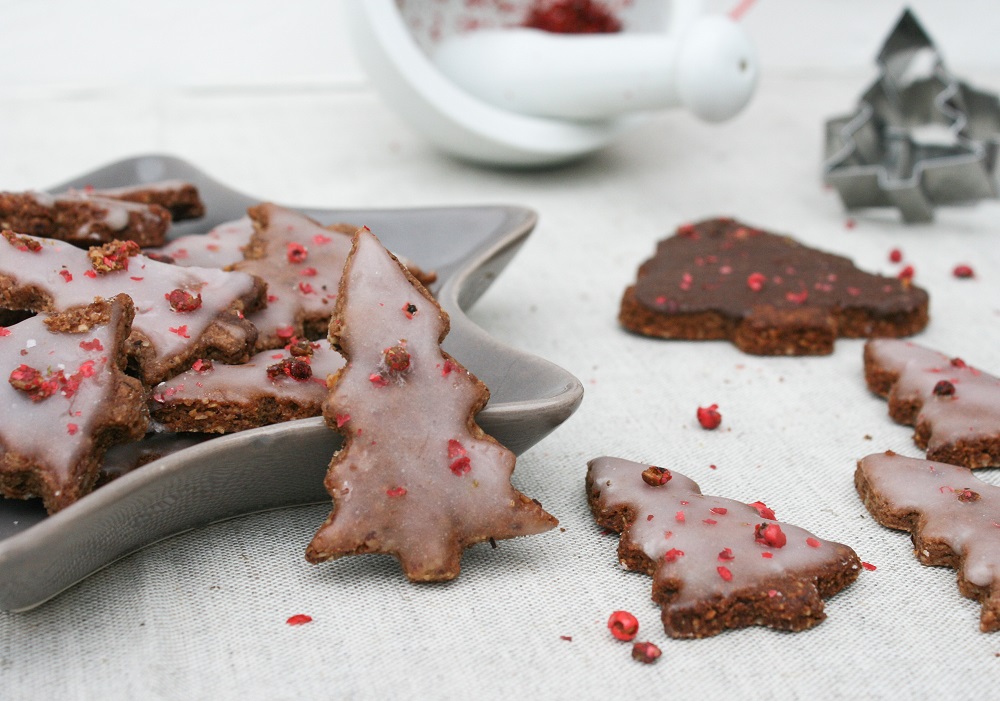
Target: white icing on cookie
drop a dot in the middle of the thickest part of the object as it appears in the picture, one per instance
(302, 264)
(968, 409)
(55, 392)
(218, 384)
(219, 248)
(67, 276)
(954, 506)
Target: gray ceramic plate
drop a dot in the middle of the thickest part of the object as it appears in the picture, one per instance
(282, 465)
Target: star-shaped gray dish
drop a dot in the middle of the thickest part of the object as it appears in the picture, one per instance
(919, 137)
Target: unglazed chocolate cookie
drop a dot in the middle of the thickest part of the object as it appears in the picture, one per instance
(716, 563)
(66, 400)
(181, 314)
(953, 519)
(768, 294)
(417, 477)
(954, 407)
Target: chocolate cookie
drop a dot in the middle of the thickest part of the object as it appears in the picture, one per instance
(82, 218)
(417, 477)
(716, 563)
(768, 294)
(181, 313)
(66, 400)
(953, 519)
(273, 386)
(954, 407)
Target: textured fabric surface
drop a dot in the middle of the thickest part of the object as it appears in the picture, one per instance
(203, 614)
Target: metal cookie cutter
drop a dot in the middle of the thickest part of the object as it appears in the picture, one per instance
(919, 138)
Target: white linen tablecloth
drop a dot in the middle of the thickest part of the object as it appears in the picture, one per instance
(203, 614)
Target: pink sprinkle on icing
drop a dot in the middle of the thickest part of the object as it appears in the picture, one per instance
(181, 331)
(812, 542)
(672, 555)
(679, 516)
(724, 573)
(66, 275)
(72, 429)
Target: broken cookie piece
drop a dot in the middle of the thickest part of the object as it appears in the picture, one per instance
(66, 400)
(953, 519)
(301, 261)
(954, 407)
(716, 563)
(768, 294)
(82, 218)
(273, 386)
(417, 477)
(180, 198)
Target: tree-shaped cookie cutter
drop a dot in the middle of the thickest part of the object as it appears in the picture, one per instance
(919, 138)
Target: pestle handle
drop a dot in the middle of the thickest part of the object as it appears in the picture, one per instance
(709, 68)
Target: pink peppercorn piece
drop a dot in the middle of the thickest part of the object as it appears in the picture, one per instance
(646, 652)
(623, 625)
(709, 417)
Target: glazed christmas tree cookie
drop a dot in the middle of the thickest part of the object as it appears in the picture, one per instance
(416, 478)
(181, 314)
(716, 563)
(768, 294)
(66, 400)
(953, 519)
(954, 407)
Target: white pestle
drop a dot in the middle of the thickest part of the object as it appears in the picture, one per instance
(708, 67)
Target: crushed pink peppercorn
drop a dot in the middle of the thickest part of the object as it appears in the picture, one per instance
(623, 625)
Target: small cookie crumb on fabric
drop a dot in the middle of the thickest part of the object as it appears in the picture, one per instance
(952, 516)
(716, 563)
(66, 400)
(181, 313)
(954, 407)
(767, 294)
(417, 477)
